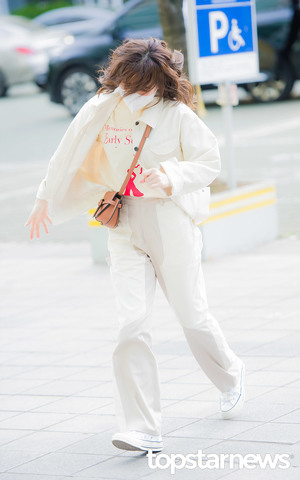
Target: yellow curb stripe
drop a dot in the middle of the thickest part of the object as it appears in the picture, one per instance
(229, 200)
(240, 210)
(94, 223)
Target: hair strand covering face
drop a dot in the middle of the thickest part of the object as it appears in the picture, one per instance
(142, 65)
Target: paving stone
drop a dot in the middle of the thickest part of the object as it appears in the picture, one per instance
(12, 459)
(272, 432)
(272, 378)
(176, 392)
(7, 436)
(212, 394)
(169, 424)
(74, 404)
(34, 421)
(288, 345)
(294, 384)
(180, 347)
(85, 424)
(5, 414)
(197, 377)
(108, 409)
(8, 371)
(23, 476)
(190, 474)
(176, 362)
(50, 372)
(26, 402)
(91, 374)
(59, 464)
(219, 429)
(96, 444)
(292, 417)
(236, 324)
(37, 359)
(104, 389)
(263, 412)
(191, 409)
(254, 447)
(167, 374)
(43, 442)
(62, 388)
(265, 474)
(290, 396)
(256, 392)
(123, 467)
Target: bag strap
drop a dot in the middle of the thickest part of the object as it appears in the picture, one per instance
(135, 160)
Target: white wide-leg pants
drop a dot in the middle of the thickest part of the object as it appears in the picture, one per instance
(156, 238)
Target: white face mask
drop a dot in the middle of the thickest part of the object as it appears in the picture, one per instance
(136, 101)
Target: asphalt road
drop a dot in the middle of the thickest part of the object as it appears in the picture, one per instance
(266, 139)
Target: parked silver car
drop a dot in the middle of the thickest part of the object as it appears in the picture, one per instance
(24, 51)
(76, 20)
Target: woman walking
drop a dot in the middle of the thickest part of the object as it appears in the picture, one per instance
(157, 234)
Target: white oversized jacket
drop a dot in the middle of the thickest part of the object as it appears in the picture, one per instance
(179, 142)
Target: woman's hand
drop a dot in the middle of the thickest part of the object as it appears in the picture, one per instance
(155, 178)
(38, 214)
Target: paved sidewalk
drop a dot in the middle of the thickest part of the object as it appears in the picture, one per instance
(58, 330)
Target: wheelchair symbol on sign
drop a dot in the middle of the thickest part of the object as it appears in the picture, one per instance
(219, 27)
(235, 40)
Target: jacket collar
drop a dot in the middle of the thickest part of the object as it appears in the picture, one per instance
(136, 101)
(150, 116)
(151, 113)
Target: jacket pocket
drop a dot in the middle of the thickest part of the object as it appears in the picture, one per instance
(163, 147)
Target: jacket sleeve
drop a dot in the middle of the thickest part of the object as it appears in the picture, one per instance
(201, 158)
(56, 163)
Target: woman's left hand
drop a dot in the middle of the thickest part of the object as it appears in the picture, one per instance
(155, 178)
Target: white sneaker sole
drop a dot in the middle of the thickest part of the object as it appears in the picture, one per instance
(235, 410)
(124, 443)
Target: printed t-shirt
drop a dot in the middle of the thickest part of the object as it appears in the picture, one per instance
(117, 140)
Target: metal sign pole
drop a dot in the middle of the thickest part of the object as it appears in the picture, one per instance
(228, 121)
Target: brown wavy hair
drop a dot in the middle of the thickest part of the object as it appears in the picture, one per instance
(144, 64)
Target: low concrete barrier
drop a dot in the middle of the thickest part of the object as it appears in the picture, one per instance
(98, 237)
(240, 219)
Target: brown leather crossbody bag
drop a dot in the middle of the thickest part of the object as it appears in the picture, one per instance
(109, 207)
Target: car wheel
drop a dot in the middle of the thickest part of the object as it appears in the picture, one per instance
(76, 87)
(277, 87)
(3, 87)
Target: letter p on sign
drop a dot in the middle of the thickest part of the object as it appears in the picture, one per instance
(218, 28)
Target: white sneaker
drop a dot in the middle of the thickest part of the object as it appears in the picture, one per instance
(231, 402)
(134, 440)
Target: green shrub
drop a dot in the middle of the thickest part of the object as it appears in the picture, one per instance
(35, 8)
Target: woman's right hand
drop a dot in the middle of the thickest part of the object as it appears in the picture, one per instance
(38, 214)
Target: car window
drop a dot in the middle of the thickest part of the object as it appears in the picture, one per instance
(273, 21)
(62, 20)
(143, 16)
(273, 11)
(272, 5)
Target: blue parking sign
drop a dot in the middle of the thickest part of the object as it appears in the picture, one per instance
(228, 29)
(222, 40)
